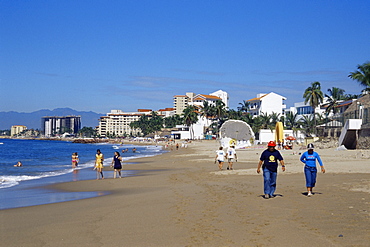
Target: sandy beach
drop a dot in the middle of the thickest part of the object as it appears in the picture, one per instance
(181, 199)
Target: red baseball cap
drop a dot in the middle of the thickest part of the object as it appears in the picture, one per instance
(271, 144)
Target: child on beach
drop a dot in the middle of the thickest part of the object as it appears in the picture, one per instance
(99, 158)
(116, 164)
(310, 171)
(231, 156)
(220, 157)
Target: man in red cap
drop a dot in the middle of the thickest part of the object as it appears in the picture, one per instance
(269, 158)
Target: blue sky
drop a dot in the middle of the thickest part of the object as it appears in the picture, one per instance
(103, 55)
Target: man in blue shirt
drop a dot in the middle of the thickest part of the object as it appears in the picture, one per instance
(309, 159)
(269, 158)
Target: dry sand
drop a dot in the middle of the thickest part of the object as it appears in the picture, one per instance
(181, 199)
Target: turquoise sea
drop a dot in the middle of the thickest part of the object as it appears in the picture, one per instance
(46, 162)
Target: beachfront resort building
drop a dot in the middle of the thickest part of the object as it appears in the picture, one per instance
(117, 122)
(180, 102)
(267, 104)
(17, 129)
(56, 125)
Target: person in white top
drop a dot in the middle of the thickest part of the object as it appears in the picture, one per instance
(231, 156)
(220, 157)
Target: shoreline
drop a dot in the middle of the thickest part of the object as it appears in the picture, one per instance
(176, 199)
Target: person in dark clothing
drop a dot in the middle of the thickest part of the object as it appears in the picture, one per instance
(269, 162)
(116, 163)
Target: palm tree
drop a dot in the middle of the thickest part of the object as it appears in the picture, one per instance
(207, 110)
(308, 124)
(220, 110)
(266, 121)
(334, 96)
(291, 120)
(244, 106)
(274, 119)
(362, 75)
(190, 117)
(313, 95)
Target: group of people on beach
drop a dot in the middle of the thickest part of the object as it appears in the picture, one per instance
(99, 159)
(269, 163)
(230, 155)
(116, 164)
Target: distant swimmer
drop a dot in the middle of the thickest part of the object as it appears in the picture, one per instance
(19, 164)
(134, 150)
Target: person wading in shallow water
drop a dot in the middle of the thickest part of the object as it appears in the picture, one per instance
(269, 158)
(99, 158)
(116, 163)
(75, 160)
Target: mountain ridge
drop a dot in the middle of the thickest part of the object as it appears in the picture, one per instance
(32, 120)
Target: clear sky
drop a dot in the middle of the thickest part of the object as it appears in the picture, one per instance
(103, 55)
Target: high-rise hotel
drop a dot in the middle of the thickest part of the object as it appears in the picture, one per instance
(59, 125)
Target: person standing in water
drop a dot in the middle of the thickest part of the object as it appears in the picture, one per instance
(99, 158)
(116, 163)
(75, 160)
(310, 171)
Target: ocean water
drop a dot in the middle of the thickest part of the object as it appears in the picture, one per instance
(47, 162)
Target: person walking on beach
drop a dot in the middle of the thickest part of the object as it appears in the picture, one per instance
(310, 171)
(269, 158)
(220, 157)
(75, 160)
(231, 156)
(99, 158)
(116, 163)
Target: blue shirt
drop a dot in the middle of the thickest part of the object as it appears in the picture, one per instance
(310, 159)
(270, 159)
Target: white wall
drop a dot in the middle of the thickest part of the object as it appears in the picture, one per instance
(223, 95)
(272, 103)
(266, 135)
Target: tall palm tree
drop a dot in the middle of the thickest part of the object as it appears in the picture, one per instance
(190, 117)
(314, 96)
(207, 110)
(220, 109)
(362, 75)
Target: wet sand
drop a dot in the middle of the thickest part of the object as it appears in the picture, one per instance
(181, 199)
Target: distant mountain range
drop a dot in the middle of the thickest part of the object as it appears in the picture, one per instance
(33, 120)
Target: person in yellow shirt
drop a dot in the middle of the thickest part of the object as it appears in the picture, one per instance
(99, 158)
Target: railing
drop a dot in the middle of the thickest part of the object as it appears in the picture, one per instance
(363, 114)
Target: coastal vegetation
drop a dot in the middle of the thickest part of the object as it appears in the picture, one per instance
(218, 113)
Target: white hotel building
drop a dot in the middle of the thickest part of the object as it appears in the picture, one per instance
(267, 103)
(118, 122)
